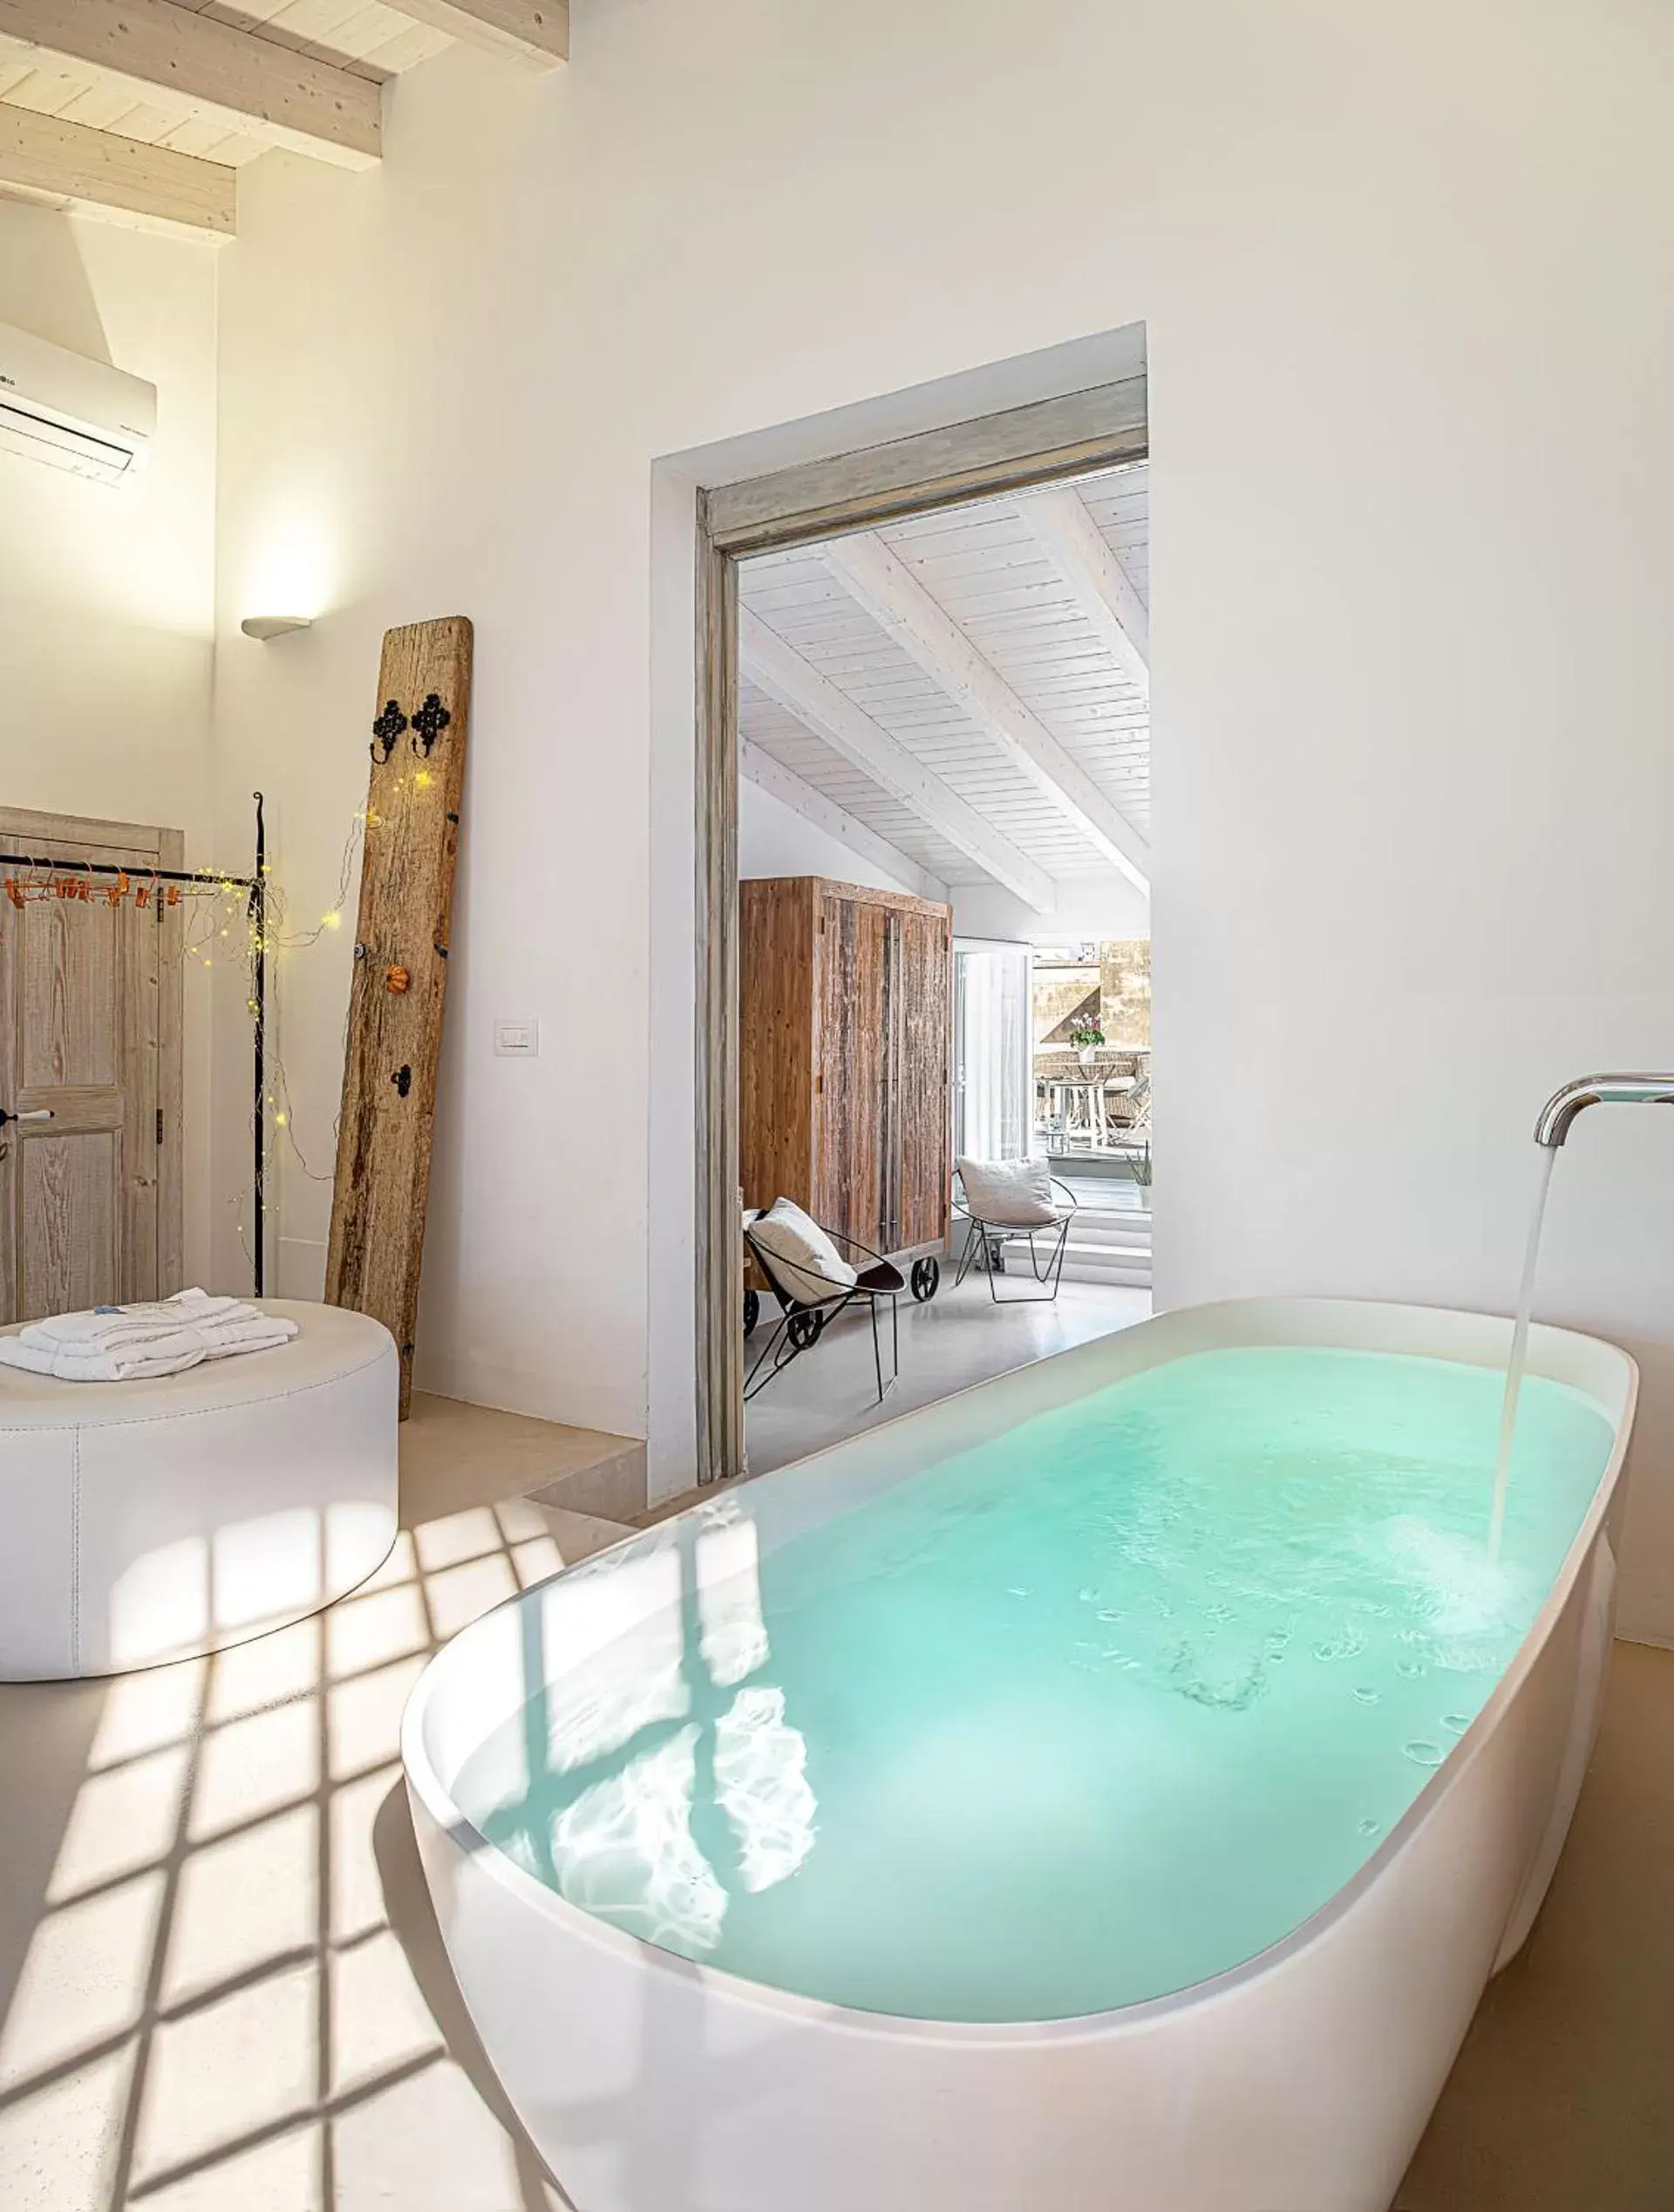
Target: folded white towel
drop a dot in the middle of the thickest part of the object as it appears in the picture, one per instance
(177, 1344)
(124, 1344)
(211, 1314)
(116, 1330)
(141, 1322)
(245, 1329)
(91, 1347)
(98, 1366)
(266, 1339)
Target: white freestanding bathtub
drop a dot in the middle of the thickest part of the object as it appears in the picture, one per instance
(1300, 2081)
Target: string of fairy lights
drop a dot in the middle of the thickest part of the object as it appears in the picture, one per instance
(279, 938)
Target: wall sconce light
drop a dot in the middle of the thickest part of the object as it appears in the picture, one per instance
(266, 627)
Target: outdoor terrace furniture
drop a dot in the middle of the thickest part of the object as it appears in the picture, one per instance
(1092, 1106)
(1133, 1138)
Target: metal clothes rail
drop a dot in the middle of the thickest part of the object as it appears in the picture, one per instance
(256, 885)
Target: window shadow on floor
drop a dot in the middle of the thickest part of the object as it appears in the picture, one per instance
(221, 1983)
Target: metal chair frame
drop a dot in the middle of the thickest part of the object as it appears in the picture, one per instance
(802, 1322)
(987, 1236)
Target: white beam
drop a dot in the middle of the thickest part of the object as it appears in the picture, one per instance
(192, 66)
(105, 175)
(1066, 534)
(780, 671)
(784, 784)
(534, 32)
(893, 597)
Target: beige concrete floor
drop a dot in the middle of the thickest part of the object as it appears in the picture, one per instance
(221, 1988)
(959, 1338)
(454, 1455)
(1562, 2098)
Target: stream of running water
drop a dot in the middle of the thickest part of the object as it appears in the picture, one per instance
(1518, 1350)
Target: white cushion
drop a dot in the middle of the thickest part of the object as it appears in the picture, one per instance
(149, 1521)
(1015, 1193)
(804, 1262)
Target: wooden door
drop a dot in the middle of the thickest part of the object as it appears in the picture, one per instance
(90, 1057)
(884, 1026)
(852, 1078)
(923, 1089)
(778, 922)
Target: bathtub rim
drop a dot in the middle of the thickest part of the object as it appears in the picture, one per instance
(1546, 1340)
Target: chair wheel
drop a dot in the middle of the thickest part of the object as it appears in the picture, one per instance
(803, 1329)
(751, 1310)
(926, 1279)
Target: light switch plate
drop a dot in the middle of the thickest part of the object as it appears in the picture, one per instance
(517, 1040)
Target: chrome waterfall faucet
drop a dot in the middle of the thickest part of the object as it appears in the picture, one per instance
(1563, 1106)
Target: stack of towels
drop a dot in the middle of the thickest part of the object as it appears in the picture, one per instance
(120, 1343)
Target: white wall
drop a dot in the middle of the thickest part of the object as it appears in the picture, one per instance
(106, 594)
(1412, 672)
(1102, 905)
(775, 840)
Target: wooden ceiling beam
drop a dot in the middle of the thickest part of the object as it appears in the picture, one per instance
(99, 173)
(778, 669)
(189, 63)
(534, 32)
(1059, 524)
(895, 599)
(783, 784)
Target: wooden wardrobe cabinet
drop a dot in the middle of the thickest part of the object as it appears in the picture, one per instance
(845, 1056)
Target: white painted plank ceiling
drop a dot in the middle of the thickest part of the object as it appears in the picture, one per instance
(768, 724)
(364, 36)
(982, 567)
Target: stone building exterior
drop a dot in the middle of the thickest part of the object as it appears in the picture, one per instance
(1111, 986)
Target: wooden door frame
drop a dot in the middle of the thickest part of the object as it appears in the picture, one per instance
(28, 829)
(1014, 450)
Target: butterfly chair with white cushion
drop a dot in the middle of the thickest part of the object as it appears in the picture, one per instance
(814, 1281)
(1007, 1201)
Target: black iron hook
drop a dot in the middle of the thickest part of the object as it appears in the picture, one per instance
(428, 722)
(385, 730)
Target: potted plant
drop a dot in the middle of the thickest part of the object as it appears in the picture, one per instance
(1088, 1038)
(1139, 1169)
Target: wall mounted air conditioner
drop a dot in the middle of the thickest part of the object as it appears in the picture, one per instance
(72, 412)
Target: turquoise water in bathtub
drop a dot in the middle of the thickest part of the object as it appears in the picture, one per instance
(1076, 1719)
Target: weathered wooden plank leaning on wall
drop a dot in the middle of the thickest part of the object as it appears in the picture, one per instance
(400, 977)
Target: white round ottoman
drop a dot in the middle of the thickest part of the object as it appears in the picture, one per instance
(152, 1521)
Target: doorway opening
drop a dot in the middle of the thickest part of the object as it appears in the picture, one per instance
(924, 750)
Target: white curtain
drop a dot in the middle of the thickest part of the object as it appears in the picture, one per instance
(991, 1100)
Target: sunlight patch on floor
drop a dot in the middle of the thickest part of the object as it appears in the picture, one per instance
(213, 2008)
